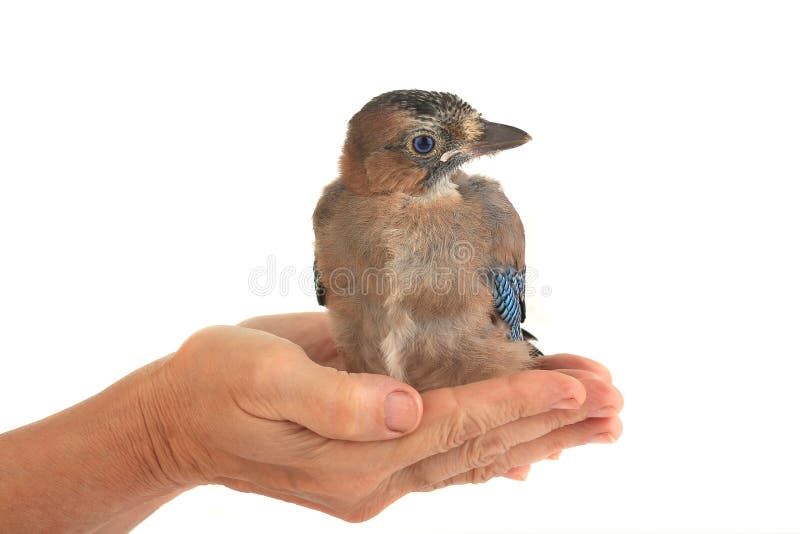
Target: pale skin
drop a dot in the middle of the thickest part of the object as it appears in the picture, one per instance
(260, 408)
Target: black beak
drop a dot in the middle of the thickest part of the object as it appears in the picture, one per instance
(495, 137)
(498, 137)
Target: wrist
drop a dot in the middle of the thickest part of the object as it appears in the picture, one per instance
(169, 450)
(148, 433)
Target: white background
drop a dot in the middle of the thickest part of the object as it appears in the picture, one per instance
(152, 154)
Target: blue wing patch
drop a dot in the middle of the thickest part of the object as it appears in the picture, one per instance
(509, 298)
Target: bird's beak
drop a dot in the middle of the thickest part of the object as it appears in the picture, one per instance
(495, 137)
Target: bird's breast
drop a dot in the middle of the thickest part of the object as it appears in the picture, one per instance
(435, 256)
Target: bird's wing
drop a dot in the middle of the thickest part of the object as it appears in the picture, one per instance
(506, 251)
(328, 204)
(319, 289)
(509, 297)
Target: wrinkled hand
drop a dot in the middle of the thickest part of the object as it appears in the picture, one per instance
(255, 411)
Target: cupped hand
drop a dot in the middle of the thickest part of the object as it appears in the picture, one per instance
(252, 408)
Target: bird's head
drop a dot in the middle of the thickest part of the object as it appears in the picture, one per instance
(412, 141)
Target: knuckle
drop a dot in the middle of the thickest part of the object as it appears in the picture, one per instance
(554, 385)
(501, 465)
(342, 400)
(557, 443)
(203, 339)
(609, 425)
(462, 428)
(484, 450)
(425, 476)
(564, 385)
(482, 475)
(419, 479)
(555, 419)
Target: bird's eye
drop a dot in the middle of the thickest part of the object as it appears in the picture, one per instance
(423, 144)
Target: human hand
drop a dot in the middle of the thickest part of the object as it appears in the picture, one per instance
(245, 408)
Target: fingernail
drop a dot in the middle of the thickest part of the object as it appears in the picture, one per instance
(566, 404)
(602, 438)
(606, 411)
(555, 456)
(399, 411)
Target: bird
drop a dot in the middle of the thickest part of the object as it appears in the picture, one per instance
(420, 265)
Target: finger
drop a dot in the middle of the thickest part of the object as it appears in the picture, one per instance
(603, 398)
(519, 473)
(309, 330)
(483, 450)
(336, 404)
(593, 430)
(452, 416)
(572, 361)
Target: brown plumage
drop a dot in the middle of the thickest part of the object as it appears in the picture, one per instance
(408, 246)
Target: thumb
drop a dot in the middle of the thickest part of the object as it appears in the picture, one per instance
(341, 405)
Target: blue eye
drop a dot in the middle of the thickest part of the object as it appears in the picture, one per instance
(423, 144)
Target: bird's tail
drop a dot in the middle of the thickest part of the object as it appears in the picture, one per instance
(533, 350)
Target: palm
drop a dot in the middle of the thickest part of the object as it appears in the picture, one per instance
(370, 490)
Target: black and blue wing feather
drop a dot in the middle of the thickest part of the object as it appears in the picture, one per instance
(509, 298)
